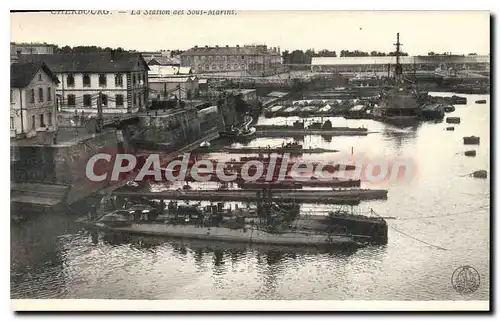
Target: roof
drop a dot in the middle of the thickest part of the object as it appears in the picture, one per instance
(384, 60)
(171, 79)
(162, 60)
(88, 62)
(24, 44)
(21, 74)
(228, 51)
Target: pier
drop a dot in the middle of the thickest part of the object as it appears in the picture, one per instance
(352, 196)
(262, 150)
(277, 132)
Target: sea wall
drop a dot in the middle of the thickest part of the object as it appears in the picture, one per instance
(64, 163)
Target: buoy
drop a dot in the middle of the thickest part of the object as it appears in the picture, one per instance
(480, 174)
(450, 128)
(471, 140)
(471, 153)
(453, 120)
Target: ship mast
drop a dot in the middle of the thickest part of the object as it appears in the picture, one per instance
(398, 68)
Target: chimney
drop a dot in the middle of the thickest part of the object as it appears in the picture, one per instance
(216, 46)
(112, 52)
(206, 47)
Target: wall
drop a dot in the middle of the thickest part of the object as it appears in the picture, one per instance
(63, 164)
(175, 129)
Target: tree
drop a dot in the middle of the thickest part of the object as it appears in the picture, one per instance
(174, 53)
(431, 53)
(286, 57)
(472, 54)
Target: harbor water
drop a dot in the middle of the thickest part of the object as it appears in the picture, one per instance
(441, 221)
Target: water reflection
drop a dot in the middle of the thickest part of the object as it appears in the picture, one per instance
(400, 135)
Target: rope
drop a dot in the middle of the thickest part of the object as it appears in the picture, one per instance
(445, 215)
(412, 237)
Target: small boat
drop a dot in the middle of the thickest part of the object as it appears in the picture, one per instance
(480, 174)
(471, 140)
(453, 120)
(470, 153)
(449, 108)
(117, 218)
(451, 128)
(481, 101)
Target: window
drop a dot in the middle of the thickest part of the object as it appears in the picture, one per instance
(133, 80)
(86, 80)
(32, 98)
(228, 66)
(40, 95)
(49, 94)
(235, 66)
(102, 80)
(70, 80)
(11, 122)
(42, 122)
(87, 101)
(135, 99)
(118, 80)
(119, 100)
(243, 57)
(214, 66)
(50, 119)
(33, 122)
(39, 77)
(71, 100)
(104, 100)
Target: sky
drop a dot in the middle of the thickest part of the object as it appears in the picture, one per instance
(458, 32)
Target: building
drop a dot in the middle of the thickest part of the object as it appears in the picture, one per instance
(252, 58)
(32, 99)
(31, 49)
(165, 88)
(119, 78)
(409, 63)
(17, 49)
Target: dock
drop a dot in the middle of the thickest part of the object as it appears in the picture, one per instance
(262, 150)
(277, 132)
(352, 196)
